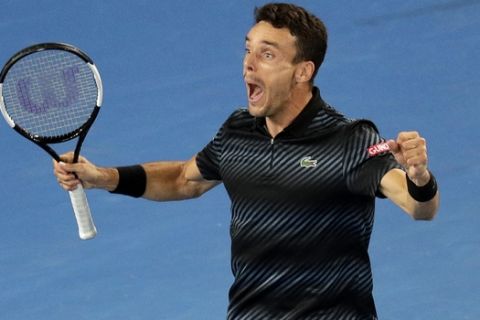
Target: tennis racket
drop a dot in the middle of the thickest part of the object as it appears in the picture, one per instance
(51, 93)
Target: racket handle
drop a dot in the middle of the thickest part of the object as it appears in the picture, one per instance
(86, 228)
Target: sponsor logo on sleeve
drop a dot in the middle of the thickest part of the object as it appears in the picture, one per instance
(378, 148)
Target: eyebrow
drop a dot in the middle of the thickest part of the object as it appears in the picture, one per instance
(269, 43)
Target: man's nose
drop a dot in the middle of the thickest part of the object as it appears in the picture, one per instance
(249, 62)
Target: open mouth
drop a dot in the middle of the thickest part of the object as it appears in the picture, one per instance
(255, 91)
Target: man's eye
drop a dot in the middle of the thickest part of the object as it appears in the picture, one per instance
(268, 55)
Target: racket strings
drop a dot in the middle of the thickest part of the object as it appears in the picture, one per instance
(50, 93)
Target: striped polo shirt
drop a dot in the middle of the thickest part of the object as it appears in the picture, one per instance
(302, 213)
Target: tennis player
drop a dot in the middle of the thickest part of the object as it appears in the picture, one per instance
(302, 179)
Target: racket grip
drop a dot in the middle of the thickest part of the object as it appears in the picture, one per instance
(86, 228)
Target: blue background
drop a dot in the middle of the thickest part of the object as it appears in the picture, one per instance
(172, 74)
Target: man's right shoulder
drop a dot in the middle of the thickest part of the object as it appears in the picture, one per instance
(239, 119)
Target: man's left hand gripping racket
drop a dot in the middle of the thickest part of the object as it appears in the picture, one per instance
(51, 93)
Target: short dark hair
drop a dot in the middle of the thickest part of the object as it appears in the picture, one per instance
(310, 31)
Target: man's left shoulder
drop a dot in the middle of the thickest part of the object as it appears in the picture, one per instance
(362, 125)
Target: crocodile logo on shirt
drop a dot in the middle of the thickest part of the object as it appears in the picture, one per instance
(307, 162)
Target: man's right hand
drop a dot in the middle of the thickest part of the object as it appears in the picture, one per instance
(69, 175)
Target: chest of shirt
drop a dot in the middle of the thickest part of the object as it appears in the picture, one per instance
(303, 167)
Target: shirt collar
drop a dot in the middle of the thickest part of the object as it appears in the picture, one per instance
(302, 121)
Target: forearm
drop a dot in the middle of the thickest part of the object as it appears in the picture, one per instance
(160, 180)
(423, 196)
(107, 179)
(424, 210)
(394, 186)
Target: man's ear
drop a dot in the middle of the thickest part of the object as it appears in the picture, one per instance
(304, 71)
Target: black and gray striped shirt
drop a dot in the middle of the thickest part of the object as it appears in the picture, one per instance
(302, 213)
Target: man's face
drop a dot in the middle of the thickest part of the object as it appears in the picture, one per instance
(268, 69)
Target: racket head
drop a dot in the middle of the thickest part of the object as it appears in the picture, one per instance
(50, 92)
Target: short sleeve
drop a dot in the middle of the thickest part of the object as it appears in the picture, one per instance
(208, 160)
(364, 170)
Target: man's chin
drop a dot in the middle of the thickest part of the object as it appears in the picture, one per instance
(255, 110)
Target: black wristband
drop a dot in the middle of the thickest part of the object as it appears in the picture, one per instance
(132, 181)
(424, 193)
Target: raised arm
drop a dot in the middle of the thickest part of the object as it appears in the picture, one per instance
(414, 190)
(162, 181)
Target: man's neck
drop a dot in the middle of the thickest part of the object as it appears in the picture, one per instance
(278, 122)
